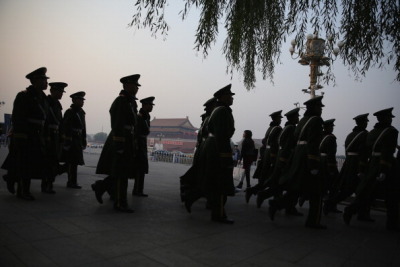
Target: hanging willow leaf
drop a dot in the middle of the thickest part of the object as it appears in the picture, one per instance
(256, 30)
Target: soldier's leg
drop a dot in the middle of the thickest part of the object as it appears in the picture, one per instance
(11, 179)
(217, 202)
(121, 201)
(314, 212)
(73, 176)
(23, 190)
(139, 185)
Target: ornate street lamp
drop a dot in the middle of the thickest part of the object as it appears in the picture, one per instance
(314, 57)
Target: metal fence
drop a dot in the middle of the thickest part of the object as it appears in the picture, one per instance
(165, 156)
(173, 158)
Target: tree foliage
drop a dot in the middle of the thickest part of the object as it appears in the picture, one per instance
(256, 30)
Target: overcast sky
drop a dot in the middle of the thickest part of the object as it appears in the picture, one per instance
(88, 45)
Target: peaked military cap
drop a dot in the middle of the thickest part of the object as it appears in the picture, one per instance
(293, 112)
(361, 117)
(224, 91)
(329, 122)
(148, 100)
(58, 86)
(131, 79)
(39, 73)
(314, 101)
(276, 114)
(210, 101)
(384, 112)
(78, 95)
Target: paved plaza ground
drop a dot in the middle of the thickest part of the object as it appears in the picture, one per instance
(71, 228)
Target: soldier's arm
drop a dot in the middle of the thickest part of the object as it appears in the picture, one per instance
(314, 133)
(389, 143)
(331, 151)
(288, 142)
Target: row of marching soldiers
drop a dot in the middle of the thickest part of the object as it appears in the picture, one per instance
(41, 137)
(297, 163)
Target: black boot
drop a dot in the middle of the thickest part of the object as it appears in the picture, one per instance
(261, 196)
(98, 189)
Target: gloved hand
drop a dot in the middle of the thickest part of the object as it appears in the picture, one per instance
(381, 177)
(314, 172)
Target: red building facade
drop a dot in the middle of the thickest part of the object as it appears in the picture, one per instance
(172, 135)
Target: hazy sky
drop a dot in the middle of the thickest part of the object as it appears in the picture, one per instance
(89, 45)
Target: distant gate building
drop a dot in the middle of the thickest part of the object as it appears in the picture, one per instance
(172, 135)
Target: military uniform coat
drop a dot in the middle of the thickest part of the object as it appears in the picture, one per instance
(306, 157)
(74, 128)
(381, 144)
(28, 118)
(287, 143)
(215, 159)
(53, 128)
(119, 152)
(329, 170)
(143, 130)
(356, 159)
(271, 150)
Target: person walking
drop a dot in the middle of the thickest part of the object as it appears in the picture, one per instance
(247, 156)
(118, 158)
(381, 175)
(270, 142)
(354, 166)
(74, 136)
(27, 149)
(143, 130)
(303, 176)
(215, 162)
(287, 143)
(53, 136)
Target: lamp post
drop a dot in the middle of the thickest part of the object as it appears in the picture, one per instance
(313, 56)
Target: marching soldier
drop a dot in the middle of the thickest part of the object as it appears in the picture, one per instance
(303, 175)
(143, 130)
(327, 149)
(354, 166)
(74, 129)
(381, 177)
(28, 119)
(270, 142)
(118, 157)
(215, 162)
(287, 143)
(190, 190)
(53, 136)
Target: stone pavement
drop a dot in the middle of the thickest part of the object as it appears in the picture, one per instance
(71, 229)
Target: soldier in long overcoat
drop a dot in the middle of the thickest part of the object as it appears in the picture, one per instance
(381, 178)
(287, 143)
(28, 143)
(327, 149)
(270, 141)
(303, 175)
(142, 131)
(215, 159)
(190, 186)
(74, 136)
(354, 166)
(53, 136)
(119, 154)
